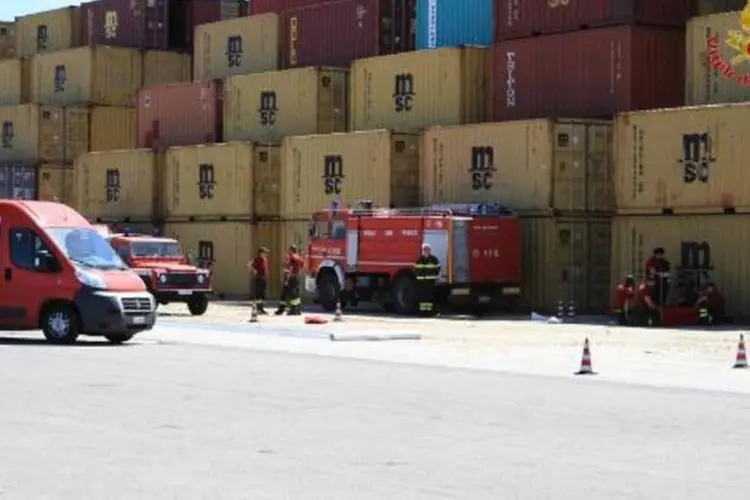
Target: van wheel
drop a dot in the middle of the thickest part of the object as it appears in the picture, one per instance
(198, 305)
(119, 338)
(404, 295)
(60, 324)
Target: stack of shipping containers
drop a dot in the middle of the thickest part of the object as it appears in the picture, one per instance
(680, 182)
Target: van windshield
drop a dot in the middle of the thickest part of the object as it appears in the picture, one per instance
(86, 247)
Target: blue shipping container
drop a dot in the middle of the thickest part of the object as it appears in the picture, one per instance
(448, 23)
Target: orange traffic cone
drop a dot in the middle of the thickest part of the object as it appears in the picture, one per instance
(586, 368)
(741, 360)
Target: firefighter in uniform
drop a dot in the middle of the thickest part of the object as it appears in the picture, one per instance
(290, 297)
(259, 269)
(658, 276)
(427, 270)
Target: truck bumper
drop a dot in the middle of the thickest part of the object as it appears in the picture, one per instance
(182, 295)
(103, 312)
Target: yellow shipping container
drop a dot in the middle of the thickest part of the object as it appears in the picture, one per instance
(160, 66)
(49, 31)
(7, 40)
(566, 259)
(63, 134)
(219, 50)
(529, 166)
(14, 82)
(717, 69)
(209, 181)
(117, 184)
(277, 236)
(223, 247)
(268, 106)
(99, 75)
(413, 90)
(112, 128)
(705, 246)
(683, 160)
(57, 183)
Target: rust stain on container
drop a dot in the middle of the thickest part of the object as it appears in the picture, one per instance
(165, 67)
(49, 31)
(15, 82)
(57, 183)
(209, 181)
(111, 184)
(701, 248)
(569, 260)
(236, 47)
(556, 76)
(112, 128)
(179, 114)
(223, 247)
(106, 76)
(532, 166)
(682, 159)
(408, 92)
(718, 69)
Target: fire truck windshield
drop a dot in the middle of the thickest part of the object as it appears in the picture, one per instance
(330, 230)
(153, 249)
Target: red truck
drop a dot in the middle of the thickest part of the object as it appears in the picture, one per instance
(164, 269)
(368, 254)
(61, 276)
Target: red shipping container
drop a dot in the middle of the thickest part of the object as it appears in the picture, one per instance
(279, 6)
(179, 114)
(514, 19)
(141, 24)
(588, 74)
(339, 32)
(211, 11)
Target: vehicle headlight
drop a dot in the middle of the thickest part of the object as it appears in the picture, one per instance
(201, 278)
(89, 279)
(162, 278)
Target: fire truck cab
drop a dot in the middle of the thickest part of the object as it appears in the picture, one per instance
(368, 254)
(164, 269)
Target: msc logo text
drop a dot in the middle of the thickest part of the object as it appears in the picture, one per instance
(234, 51)
(333, 174)
(206, 181)
(403, 94)
(268, 108)
(112, 185)
(482, 167)
(697, 157)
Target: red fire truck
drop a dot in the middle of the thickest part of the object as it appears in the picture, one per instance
(368, 254)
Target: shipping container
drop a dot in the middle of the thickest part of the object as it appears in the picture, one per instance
(106, 76)
(450, 23)
(141, 24)
(63, 134)
(19, 136)
(7, 40)
(278, 6)
(179, 114)
(411, 91)
(14, 82)
(112, 128)
(516, 19)
(57, 183)
(209, 182)
(684, 160)
(268, 106)
(716, 60)
(277, 236)
(223, 247)
(708, 7)
(18, 180)
(566, 259)
(220, 47)
(338, 33)
(534, 166)
(200, 12)
(315, 170)
(161, 67)
(118, 184)
(700, 248)
(49, 31)
(588, 74)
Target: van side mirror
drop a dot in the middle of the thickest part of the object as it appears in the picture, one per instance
(45, 262)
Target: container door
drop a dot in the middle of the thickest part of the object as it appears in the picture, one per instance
(438, 240)
(460, 251)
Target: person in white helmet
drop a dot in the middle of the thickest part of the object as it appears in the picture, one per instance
(427, 271)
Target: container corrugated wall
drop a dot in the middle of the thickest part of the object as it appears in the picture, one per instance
(707, 7)
(236, 47)
(531, 166)
(117, 184)
(18, 180)
(449, 23)
(209, 181)
(411, 91)
(57, 183)
(112, 128)
(141, 24)
(63, 134)
(566, 259)
(49, 31)
(7, 40)
(14, 82)
(716, 60)
(710, 245)
(268, 106)
(166, 67)
(108, 76)
(19, 135)
(685, 160)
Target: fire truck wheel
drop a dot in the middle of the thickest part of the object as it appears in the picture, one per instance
(328, 291)
(119, 338)
(198, 305)
(404, 294)
(60, 324)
